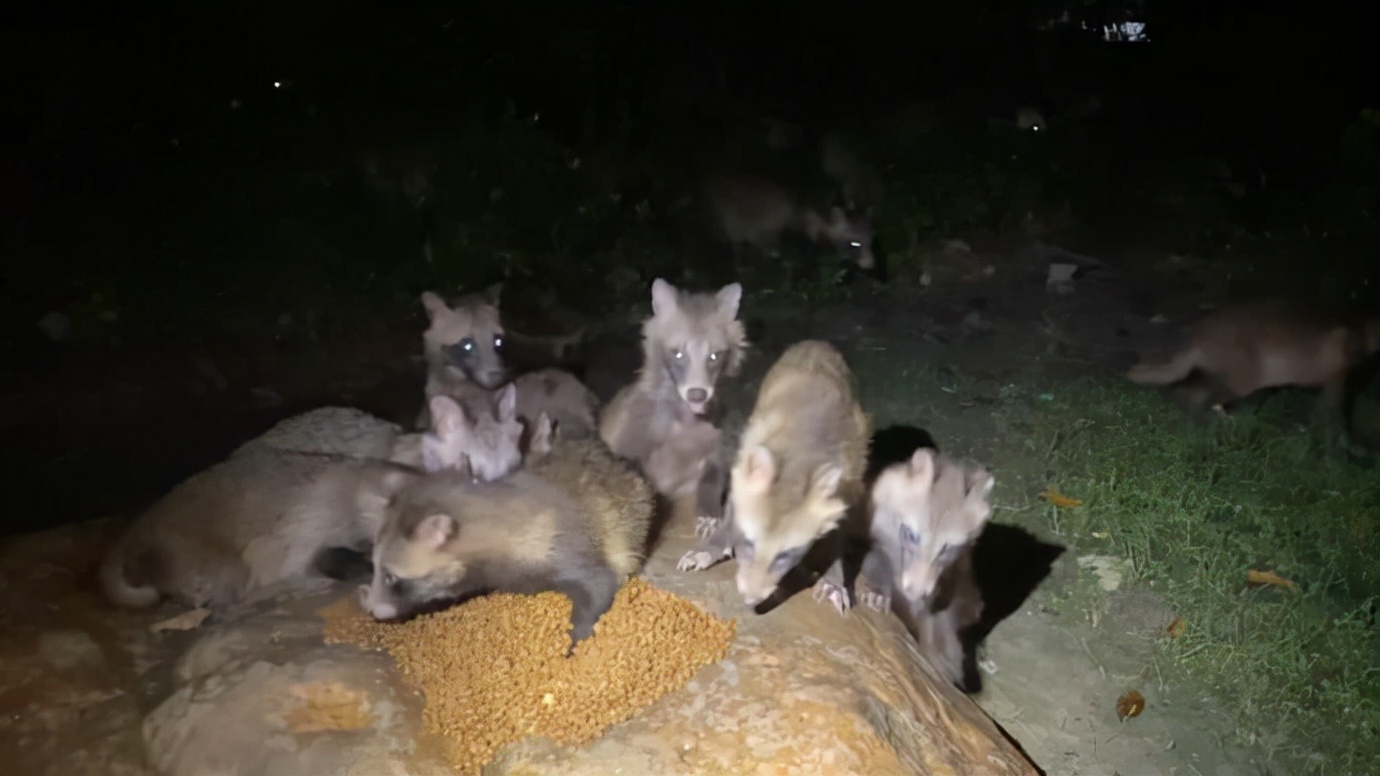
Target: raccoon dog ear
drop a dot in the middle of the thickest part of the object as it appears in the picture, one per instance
(663, 297)
(729, 297)
(447, 419)
(435, 530)
(493, 294)
(980, 483)
(759, 469)
(542, 432)
(434, 305)
(922, 464)
(825, 481)
(823, 501)
(505, 401)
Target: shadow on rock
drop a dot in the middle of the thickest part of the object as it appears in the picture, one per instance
(1009, 563)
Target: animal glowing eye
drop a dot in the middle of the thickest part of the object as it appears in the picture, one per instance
(714, 356)
(855, 244)
(498, 342)
(679, 355)
(467, 344)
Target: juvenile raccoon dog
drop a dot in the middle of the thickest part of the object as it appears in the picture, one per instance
(1241, 350)
(463, 345)
(748, 210)
(799, 468)
(574, 522)
(482, 440)
(927, 514)
(689, 342)
(464, 354)
(560, 396)
(1028, 119)
(858, 181)
(314, 481)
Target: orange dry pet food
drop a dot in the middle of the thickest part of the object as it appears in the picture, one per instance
(494, 669)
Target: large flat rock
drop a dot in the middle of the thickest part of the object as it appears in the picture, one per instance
(255, 690)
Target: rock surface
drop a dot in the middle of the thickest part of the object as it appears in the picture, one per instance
(255, 690)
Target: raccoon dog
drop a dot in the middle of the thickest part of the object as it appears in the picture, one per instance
(315, 481)
(799, 469)
(573, 523)
(463, 347)
(1028, 119)
(927, 514)
(753, 211)
(689, 342)
(479, 434)
(857, 181)
(560, 396)
(463, 343)
(464, 353)
(1242, 350)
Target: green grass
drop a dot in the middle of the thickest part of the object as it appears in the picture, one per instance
(1193, 509)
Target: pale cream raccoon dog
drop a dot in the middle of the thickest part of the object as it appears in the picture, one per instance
(799, 469)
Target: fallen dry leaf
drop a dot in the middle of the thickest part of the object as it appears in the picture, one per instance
(1267, 579)
(1130, 704)
(1176, 628)
(1053, 496)
(189, 619)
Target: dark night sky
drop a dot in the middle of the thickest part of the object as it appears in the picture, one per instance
(1277, 75)
(820, 58)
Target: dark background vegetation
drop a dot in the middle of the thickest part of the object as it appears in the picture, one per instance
(166, 197)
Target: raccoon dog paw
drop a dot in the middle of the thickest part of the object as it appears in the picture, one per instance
(834, 594)
(877, 602)
(706, 526)
(696, 560)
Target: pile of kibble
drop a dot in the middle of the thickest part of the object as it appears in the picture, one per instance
(494, 669)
